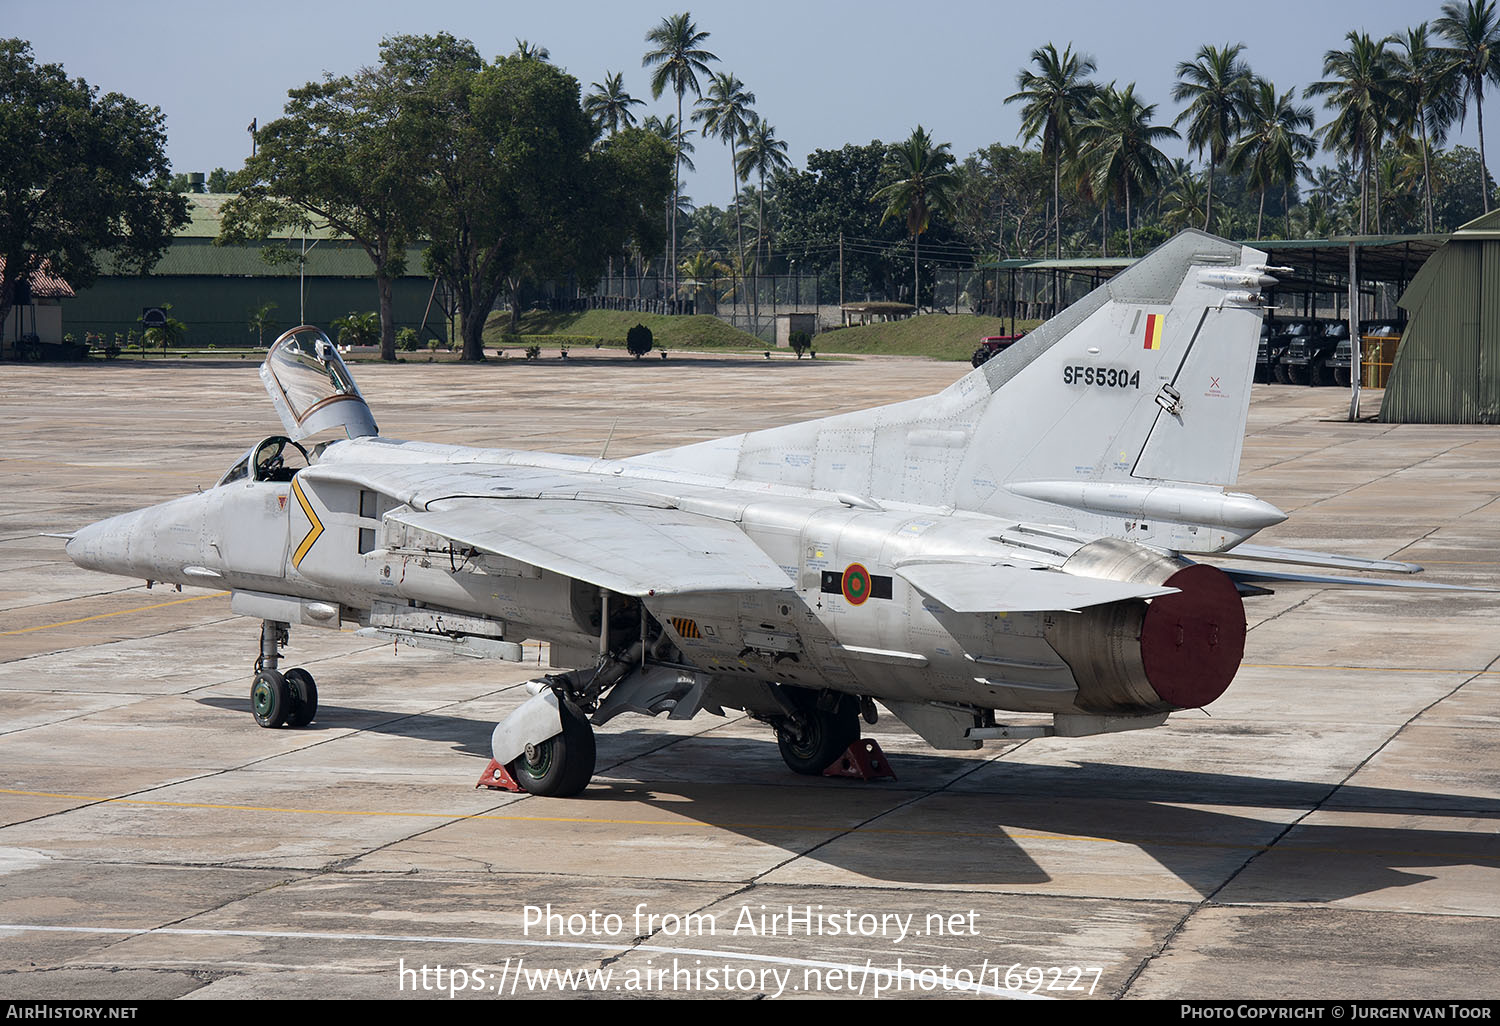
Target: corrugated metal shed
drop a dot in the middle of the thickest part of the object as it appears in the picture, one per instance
(1447, 370)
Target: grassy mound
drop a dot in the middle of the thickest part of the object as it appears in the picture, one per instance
(939, 336)
(609, 326)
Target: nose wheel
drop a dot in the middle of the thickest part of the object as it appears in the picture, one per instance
(280, 699)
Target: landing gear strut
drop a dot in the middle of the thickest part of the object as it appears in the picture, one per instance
(276, 698)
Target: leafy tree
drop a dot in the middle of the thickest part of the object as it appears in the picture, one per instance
(1216, 85)
(518, 188)
(679, 58)
(220, 181)
(1002, 201)
(609, 104)
(82, 177)
(1472, 31)
(924, 185)
(1054, 95)
(726, 112)
(346, 156)
(1119, 142)
(1276, 144)
(834, 197)
(1458, 196)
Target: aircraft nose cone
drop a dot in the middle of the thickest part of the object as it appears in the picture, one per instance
(102, 546)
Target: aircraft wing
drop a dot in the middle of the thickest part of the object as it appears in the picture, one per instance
(1000, 588)
(629, 549)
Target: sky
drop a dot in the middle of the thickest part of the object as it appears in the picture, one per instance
(824, 72)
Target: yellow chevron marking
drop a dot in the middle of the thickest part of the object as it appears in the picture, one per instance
(314, 533)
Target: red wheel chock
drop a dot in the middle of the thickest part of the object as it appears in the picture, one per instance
(863, 760)
(497, 778)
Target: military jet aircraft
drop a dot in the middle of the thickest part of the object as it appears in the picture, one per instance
(1026, 540)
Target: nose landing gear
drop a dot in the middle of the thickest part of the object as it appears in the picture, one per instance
(278, 699)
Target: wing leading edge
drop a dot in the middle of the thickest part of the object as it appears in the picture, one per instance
(631, 550)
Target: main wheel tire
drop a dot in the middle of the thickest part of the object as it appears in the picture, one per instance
(1322, 375)
(823, 736)
(981, 354)
(270, 698)
(1341, 377)
(1297, 375)
(304, 697)
(1281, 375)
(561, 766)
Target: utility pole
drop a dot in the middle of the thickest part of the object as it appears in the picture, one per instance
(841, 268)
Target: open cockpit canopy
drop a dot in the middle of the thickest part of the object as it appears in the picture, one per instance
(311, 387)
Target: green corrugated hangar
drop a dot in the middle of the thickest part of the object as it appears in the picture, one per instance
(214, 289)
(1447, 370)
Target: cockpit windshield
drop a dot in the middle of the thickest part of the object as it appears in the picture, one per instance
(311, 387)
(277, 459)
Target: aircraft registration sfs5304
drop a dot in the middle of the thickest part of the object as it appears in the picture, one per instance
(1024, 540)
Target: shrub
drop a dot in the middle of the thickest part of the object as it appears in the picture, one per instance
(407, 339)
(638, 341)
(800, 342)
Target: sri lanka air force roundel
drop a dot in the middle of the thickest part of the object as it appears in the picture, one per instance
(856, 584)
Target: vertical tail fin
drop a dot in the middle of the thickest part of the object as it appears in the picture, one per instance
(1146, 379)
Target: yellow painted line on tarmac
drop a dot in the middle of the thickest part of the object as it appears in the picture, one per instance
(118, 612)
(1146, 842)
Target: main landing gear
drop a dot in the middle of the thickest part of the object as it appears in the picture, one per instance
(277, 698)
(822, 728)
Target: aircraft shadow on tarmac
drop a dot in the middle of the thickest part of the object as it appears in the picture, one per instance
(933, 828)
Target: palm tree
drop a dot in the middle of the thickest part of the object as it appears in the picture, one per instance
(674, 136)
(1275, 146)
(1473, 33)
(1182, 202)
(923, 184)
(763, 152)
(1359, 91)
(1118, 142)
(609, 104)
(1215, 83)
(527, 51)
(1054, 94)
(726, 112)
(1426, 81)
(679, 58)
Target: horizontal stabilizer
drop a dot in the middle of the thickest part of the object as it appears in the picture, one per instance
(1303, 557)
(1001, 588)
(631, 550)
(1272, 576)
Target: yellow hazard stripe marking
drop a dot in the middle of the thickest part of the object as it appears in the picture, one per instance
(118, 612)
(685, 627)
(314, 533)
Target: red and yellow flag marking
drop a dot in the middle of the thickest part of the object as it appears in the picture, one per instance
(1154, 324)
